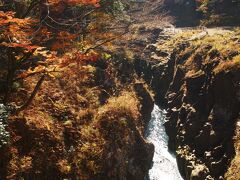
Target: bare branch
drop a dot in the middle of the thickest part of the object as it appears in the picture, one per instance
(33, 94)
(107, 40)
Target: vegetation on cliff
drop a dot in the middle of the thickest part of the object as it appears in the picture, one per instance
(217, 13)
(204, 102)
(76, 111)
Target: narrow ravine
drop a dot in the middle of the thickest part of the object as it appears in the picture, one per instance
(164, 163)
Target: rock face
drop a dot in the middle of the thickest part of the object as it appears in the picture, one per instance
(202, 105)
(146, 102)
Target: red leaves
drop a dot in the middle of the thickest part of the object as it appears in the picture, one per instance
(90, 57)
(63, 41)
(79, 58)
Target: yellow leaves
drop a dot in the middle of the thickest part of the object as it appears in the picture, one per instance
(26, 163)
(43, 52)
(106, 56)
(92, 153)
(38, 69)
(64, 166)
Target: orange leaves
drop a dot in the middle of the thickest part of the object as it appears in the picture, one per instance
(66, 36)
(43, 35)
(7, 18)
(86, 2)
(15, 33)
(27, 46)
(60, 5)
(64, 25)
(89, 57)
(75, 2)
(15, 30)
(37, 70)
(63, 41)
(79, 58)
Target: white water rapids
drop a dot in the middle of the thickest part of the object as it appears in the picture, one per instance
(164, 163)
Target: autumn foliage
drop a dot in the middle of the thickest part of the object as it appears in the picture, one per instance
(48, 35)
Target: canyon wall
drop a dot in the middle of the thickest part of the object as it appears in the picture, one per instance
(198, 83)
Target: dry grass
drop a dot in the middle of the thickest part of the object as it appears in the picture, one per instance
(229, 65)
(127, 102)
(110, 128)
(206, 46)
(233, 172)
(71, 126)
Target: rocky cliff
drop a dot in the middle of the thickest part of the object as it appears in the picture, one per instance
(198, 78)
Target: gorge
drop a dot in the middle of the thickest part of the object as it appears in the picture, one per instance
(120, 94)
(202, 99)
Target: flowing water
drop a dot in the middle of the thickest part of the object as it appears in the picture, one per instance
(164, 163)
(4, 134)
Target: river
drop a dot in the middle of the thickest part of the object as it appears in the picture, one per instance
(164, 163)
(4, 134)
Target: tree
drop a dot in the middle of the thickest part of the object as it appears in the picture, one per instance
(47, 29)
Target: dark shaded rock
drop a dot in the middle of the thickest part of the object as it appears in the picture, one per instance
(145, 100)
(138, 168)
(195, 82)
(140, 43)
(156, 31)
(162, 53)
(217, 167)
(177, 80)
(143, 68)
(151, 47)
(3, 86)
